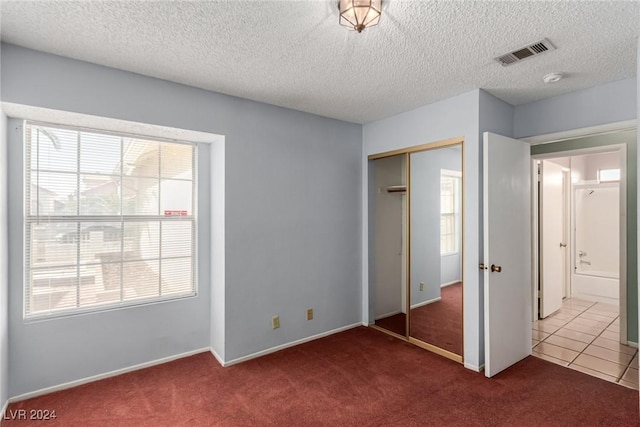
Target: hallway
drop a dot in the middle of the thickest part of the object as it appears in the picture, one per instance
(584, 336)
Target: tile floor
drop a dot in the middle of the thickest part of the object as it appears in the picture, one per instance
(584, 335)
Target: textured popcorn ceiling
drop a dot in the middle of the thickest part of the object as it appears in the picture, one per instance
(294, 53)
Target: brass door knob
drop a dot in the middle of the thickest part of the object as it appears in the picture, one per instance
(496, 268)
(482, 267)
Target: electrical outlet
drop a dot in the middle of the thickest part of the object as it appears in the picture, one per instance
(309, 313)
(421, 286)
(275, 322)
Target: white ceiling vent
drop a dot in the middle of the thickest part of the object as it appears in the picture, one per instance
(529, 51)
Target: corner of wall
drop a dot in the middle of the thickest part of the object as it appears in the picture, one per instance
(217, 261)
(495, 115)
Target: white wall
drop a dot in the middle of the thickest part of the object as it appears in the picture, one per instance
(597, 230)
(578, 169)
(292, 234)
(217, 259)
(595, 162)
(452, 117)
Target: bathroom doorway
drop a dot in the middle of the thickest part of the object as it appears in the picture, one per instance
(579, 229)
(587, 331)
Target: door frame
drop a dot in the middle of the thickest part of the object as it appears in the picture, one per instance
(622, 149)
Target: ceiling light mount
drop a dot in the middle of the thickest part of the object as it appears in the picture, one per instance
(552, 77)
(359, 14)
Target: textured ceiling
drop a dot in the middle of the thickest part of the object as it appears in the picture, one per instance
(294, 53)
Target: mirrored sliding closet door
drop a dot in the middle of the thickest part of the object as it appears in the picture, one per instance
(415, 237)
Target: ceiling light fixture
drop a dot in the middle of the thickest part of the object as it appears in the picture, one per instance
(359, 14)
(552, 77)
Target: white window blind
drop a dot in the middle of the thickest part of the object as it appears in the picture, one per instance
(449, 211)
(109, 220)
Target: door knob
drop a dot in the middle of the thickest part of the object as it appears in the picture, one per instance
(482, 267)
(563, 245)
(496, 268)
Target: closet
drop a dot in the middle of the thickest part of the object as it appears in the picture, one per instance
(415, 245)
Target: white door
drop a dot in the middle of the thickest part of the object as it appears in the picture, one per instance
(552, 244)
(507, 252)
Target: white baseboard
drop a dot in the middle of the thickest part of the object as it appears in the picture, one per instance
(474, 367)
(420, 304)
(444, 285)
(290, 344)
(217, 356)
(632, 344)
(389, 314)
(93, 378)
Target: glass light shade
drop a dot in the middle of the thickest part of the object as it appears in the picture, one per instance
(359, 14)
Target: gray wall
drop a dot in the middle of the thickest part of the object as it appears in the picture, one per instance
(608, 103)
(425, 220)
(4, 264)
(292, 209)
(452, 117)
(388, 237)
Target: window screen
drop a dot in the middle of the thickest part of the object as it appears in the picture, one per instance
(109, 220)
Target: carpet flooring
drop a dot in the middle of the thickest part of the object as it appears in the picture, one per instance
(396, 323)
(360, 377)
(438, 323)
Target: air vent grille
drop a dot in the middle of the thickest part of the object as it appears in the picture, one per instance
(525, 52)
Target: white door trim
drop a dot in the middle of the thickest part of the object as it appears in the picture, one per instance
(581, 132)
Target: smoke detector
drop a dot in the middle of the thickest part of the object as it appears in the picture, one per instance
(552, 77)
(525, 52)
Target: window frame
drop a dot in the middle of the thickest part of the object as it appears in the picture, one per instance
(456, 177)
(29, 219)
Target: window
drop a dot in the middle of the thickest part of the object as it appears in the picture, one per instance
(608, 175)
(109, 220)
(449, 211)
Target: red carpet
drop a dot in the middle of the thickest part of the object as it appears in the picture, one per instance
(440, 323)
(396, 323)
(360, 377)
